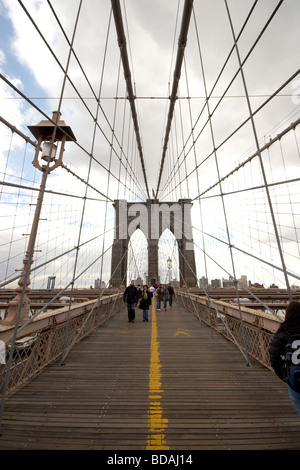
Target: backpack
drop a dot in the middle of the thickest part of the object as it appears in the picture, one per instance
(292, 361)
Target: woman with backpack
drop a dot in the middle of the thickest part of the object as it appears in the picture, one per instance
(288, 334)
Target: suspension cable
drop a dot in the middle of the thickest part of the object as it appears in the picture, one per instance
(127, 74)
(186, 16)
(259, 154)
(230, 83)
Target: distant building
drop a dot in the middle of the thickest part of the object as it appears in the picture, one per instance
(98, 283)
(216, 283)
(256, 285)
(51, 282)
(227, 283)
(242, 282)
(203, 281)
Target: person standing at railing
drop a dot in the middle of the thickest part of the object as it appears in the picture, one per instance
(286, 334)
(131, 297)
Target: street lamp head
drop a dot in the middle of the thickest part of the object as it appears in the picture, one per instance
(49, 152)
(44, 129)
(50, 132)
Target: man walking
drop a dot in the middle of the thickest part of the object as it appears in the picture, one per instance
(131, 297)
(171, 293)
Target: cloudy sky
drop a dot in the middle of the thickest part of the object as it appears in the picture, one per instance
(34, 49)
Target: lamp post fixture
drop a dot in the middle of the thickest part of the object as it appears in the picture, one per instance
(169, 264)
(51, 133)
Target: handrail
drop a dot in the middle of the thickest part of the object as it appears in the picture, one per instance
(259, 327)
(42, 341)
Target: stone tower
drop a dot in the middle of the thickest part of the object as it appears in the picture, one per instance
(152, 218)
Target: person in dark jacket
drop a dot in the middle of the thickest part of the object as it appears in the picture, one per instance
(291, 324)
(171, 293)
(145, 302)
(165, 296)
(131, 297)
(158, 295)
(140, 291)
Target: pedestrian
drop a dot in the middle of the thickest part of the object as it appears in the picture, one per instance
(131, 297)
(165, 296)
(139, 289)
(145, 302)
(158, 295)
(152, 289)
(290, 325)
(171, 293)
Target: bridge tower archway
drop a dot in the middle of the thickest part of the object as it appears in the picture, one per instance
(153, 218)
(168, 250)
(137, 259)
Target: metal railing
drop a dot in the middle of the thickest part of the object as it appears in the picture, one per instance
(44, 343)
(251, 331)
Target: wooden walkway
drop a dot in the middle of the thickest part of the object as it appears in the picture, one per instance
(165, 384)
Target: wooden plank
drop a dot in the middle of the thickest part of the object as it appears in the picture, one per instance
(209, 398)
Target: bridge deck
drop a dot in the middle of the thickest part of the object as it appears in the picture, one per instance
(166, 384)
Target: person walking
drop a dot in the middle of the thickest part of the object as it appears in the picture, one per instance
(290, 326)
(165, 296)
(145, 302)
(158, 295)
(131, 297)
(139, 289)
(171, 293)
(152, 289)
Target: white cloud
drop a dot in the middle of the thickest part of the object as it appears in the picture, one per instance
(152, 33)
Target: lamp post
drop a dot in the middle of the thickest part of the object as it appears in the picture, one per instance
(51, 133)
(169, 264)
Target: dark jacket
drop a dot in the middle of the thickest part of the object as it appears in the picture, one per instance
(158, 294)
(145, 303)
(278, 344)
(165, 294)
(130, 295)
(171, 290)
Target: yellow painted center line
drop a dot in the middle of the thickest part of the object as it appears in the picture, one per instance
(156, 423)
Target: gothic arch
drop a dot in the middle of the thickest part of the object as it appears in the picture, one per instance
(168, 248)
(137, 260)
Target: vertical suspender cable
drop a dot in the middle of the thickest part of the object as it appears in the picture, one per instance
(222, 199)
(127, 74)
(84, 202)
(197, 175)
(259, 153)
(186, 16)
